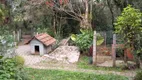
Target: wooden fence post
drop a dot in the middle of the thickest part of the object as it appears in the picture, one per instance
(18, 35)
(114, 50)
(94, 49)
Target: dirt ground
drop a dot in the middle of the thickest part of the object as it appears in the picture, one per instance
(30, 59)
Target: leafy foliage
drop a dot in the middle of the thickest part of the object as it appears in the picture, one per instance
(7, 45)
(128, 24)
(85, 39)
(138, 76)
(3, 13)
(10, 68)
(138, 46)
(10, 71)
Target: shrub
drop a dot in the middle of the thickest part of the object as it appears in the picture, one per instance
(128, 24)
(83, 40)
(19, 60)
(138, 76)
(10, 71)
(120, 52)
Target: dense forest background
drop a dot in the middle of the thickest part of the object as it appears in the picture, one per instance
(60, 18)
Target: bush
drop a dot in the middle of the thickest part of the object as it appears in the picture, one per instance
(10, 71)
(138, 76)
(83, 40)
(19, 60)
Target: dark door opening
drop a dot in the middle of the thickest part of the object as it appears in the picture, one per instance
(36, 48)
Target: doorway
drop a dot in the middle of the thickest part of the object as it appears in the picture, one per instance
(37, 49)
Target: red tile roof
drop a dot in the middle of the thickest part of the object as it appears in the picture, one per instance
(44, 38)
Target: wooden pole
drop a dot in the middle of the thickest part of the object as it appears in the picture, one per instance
(94, 49)
(105, 38)
(114, 50)
(18, 35)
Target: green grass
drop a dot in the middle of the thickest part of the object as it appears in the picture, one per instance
(84, 64)
(42, 74)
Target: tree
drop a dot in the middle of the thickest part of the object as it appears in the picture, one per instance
(124, 3)
(3, 13)
(128, 25)
(77, 9)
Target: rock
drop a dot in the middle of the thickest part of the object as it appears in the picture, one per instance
(73, 58)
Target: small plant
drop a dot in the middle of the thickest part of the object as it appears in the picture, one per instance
(138, 76)
(19, 60)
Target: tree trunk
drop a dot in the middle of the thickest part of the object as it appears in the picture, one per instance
(54, 23)
(112, 13)
(85, 21)
(86, 12)
(91, 13)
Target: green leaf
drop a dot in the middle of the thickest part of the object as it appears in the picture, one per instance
(73, 37)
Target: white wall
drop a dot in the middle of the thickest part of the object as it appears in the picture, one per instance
(34, 43)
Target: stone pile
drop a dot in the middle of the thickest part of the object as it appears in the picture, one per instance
(68, 54)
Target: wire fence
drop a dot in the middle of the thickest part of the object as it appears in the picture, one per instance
(114, 47)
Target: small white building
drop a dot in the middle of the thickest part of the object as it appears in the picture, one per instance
(41, 44)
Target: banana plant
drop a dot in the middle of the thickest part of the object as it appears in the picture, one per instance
(85, 39)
